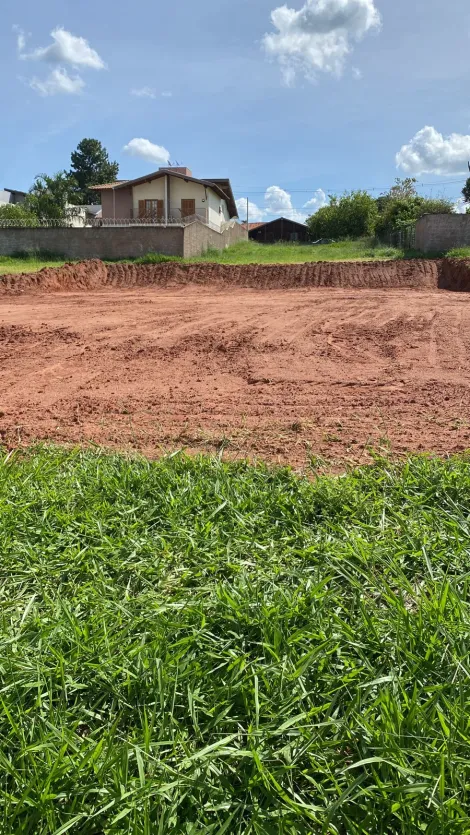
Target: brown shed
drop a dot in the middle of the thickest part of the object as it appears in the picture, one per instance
(280, 229)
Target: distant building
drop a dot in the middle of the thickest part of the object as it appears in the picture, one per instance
(11, 196)
(280, 229)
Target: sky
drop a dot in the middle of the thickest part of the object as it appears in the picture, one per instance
(292, 102)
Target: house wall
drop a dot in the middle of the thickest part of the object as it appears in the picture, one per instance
(439, 233)
(216, 217)
(122, 200)
(102, 242)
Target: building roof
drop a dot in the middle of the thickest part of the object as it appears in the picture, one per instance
(276, 220)
(250, 226)
(222, 187)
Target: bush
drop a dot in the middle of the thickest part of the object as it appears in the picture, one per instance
(353, 215)
(13, 211)
(403, 206)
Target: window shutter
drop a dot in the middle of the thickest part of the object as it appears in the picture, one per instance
(141, 208)
(188, 208)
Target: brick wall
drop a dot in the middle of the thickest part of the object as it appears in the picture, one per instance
(108, 242)
(439, 233)
(199, 238)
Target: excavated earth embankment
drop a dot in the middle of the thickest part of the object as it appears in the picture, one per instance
(94, 274)
(287, 363)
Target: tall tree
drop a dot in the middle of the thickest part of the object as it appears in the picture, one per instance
(48, 197)
(466, 191)
(91, 167)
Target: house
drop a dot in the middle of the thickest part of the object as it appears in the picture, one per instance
(11, 196)
(280, 229)
(169, 197)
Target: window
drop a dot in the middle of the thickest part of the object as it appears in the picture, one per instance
(152, 208)
(294, 236)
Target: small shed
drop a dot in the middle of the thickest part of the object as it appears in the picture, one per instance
(280, 229)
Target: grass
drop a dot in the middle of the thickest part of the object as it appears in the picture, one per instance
(243, 252)
(251, 252)
(191, 646)
(459, 252)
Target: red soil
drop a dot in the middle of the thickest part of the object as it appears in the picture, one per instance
(276, 373)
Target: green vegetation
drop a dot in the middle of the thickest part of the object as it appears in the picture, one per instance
(357, 214)
(354, 215)
(250, 252)
(156, 258)
(192, 646)
(459, 252)
(91, 167)
(17, 211)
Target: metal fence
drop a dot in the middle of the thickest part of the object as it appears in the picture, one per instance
(403, 238)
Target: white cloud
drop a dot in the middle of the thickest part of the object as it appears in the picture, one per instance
(316, 202)
(317, 38)
(20, 38)
(279, 202)
(255, 214)
(59, 81)
(460, 206)
(167, 94)
(429, 152)
(356, 73)
(144, 149)
(144, 93)
(65, 49)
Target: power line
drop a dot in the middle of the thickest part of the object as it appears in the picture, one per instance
(259, 190)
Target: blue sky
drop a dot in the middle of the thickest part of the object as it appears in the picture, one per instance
(291, 102)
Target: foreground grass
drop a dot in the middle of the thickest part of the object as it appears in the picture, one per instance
(27, 264)
(191, 646)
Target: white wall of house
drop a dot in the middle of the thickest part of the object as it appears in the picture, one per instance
(218, 212)
(155, 190)
(207, 201)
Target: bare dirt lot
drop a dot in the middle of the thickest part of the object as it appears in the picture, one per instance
(279, 374)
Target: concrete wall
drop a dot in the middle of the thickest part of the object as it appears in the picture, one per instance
(199, 238)
(104, 242)
(439, 233)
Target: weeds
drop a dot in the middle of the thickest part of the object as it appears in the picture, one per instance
(195, 646)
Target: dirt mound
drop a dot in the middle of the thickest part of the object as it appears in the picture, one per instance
(91, 275)
(454, 275)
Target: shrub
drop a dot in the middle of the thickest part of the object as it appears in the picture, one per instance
(353, 215)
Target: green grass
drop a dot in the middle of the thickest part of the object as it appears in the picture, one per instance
(25, 263)
(243, 252)
(190, 646)
(459, 252)
(250, 252)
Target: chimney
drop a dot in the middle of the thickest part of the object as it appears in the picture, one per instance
(177, 169)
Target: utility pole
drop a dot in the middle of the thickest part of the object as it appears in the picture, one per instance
(247, 214)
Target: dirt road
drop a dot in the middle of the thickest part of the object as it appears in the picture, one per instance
(280, 374)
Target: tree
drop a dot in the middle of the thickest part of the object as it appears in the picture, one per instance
(353, 215)
(402, 206)
(466, 191)
(17, 211)
(48, 197)
(91, 167)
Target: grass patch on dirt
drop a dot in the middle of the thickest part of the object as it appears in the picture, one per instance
(251, 252)
(28, 263)
(197, 646)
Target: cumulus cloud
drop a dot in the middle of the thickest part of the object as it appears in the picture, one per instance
(144, 93)
(144, 149)
(460, 206)
(59, 81)
(255, 214)
(64, 49)
(316, 202)
(319, 36)
(278, 203)
(430, 152)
